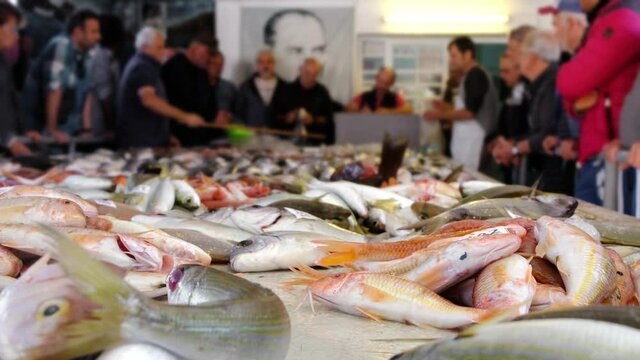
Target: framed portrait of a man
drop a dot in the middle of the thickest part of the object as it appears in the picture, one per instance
(295, 34)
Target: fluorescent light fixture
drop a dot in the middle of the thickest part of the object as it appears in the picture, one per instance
(446, 19)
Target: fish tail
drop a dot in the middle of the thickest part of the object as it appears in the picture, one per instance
(309, 274)
(339, 253)
(102, 287)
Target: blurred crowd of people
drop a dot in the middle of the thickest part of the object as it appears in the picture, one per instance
(572, 101)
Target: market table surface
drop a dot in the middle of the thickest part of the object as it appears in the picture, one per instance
(330, 334)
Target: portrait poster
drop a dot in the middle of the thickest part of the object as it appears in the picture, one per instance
(294, 34)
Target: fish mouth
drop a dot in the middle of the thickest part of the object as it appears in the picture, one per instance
(324, 300)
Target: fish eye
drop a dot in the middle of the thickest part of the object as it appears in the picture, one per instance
(53, 308)
(336, 276)
(245, 243)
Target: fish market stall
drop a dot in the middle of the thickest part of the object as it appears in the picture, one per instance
(273, 252)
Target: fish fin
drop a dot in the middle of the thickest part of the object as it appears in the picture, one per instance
(99, 285)
(374, 294)
(369, 314)
(339, 252)
(309, 274)
(561, 268)
(534, 188)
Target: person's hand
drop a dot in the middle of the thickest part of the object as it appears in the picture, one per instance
(193, 120)
(611, 150)
(174, 142)
(60, 137)
(431, 115)
(586, 102)
(19, 149)
(524, 148)
(34, 136)
(568, 150)
(502, 151)
(550, 143)
(366, 109)
(290, 118)
(223, 118)
(438, 104)
(634, 156)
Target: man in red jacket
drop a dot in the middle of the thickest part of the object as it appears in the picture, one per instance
(596, 81)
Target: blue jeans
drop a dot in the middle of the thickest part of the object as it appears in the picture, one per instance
(629, 192)
(590, 182)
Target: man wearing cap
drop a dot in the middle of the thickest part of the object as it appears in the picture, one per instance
(186, 80)
(595, 82)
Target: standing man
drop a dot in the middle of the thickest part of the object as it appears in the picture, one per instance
(186, 81)
(512, 121)
(143, 111)
(545, 116)
(57, 92)
(473, 114)
(310, 102)
(9, 114)
(263, 97)
(381, 99)
(225, 92)
(595, 83)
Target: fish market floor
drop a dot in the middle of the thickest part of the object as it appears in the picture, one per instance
(329, 334)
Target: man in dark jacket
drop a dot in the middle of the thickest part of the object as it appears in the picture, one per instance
(310, 102)
(143, 111)
(262, 98)
(538, 63)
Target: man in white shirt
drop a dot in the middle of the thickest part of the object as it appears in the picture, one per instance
(262, 98)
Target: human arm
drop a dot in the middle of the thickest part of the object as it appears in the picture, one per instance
(158, 105)
(54, 98)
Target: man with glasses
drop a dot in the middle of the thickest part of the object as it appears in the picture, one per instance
(56, 96)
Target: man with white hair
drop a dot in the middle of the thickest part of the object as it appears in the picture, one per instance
(263, 97)
(143, 111)
(540, 53)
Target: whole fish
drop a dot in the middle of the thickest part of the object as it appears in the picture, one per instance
(94, 310)
(386, 297)
(447, 262)
(88, 208)
(473, 187)
(344, 191)
(587, 270)
(217, 249)
(552, 339)
(551, 205)
(210, 229)
(259, 220)
(137, 352)
(274, 251)
(185, 195)
(314, 207)
(506, 283)
(182, 250)
(141, 194)
(125, 251)
(623, 315)
(80, 182)
(198, 285)
(498, 192)
(10, 265)
(41, 210)
(162, 198)
(350, 254)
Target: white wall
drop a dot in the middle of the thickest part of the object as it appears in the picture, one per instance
(368, 18)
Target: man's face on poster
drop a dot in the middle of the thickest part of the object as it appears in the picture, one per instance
(297, 37)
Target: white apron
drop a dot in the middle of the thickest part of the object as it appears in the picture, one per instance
(467, 139)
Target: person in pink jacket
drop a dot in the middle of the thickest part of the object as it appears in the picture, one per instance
(596, 81)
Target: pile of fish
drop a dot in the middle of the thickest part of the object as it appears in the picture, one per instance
(111, 253)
